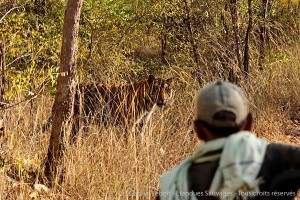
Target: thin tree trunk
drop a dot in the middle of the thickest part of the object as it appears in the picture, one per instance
(246, 49)
(63, 103)
(262, 35)
(31, 111)
(191, 33)
(192, 42)
(2, 74)
(234, 18)
(225, 59)
(164, 39)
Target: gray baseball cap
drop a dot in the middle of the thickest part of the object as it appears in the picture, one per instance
(221, 96)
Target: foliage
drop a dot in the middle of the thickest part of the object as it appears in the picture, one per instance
(31, 34)
(127, 36)
(125, 40)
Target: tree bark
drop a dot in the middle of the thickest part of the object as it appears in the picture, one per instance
(234, 19)
(191, 33)
(192, 41)
(262, 35)
(62, 107)
(164, 39)
(2, 74)
(246, 49)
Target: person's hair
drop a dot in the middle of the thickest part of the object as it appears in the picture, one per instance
(222, 131)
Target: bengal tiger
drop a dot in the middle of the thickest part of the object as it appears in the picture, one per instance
(126, 105)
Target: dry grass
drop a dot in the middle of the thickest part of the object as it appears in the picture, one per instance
(103, 166)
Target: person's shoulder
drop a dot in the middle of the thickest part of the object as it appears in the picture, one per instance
(170, 176)
(282, 150)
(282, 147)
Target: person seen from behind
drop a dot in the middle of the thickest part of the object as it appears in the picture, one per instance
(232, 163)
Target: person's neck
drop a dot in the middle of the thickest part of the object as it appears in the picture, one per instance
(210, 137)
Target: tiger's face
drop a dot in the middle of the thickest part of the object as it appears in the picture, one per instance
(160, 90)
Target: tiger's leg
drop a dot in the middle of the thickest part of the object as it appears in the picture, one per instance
(143, 123)
(75, 128)
(77, 112)
(122, 119)
(76, 123)
(80, 121)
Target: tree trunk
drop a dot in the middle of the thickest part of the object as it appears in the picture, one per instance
(192, 41)
(61, 111)
(226, 34)
(246, 49)
(234, 19)
(191, 33)
(2, 74)
(164, 39)
(262, 35)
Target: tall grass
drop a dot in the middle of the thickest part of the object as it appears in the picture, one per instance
(102, 165)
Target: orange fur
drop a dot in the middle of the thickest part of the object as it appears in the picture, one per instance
(120, 104)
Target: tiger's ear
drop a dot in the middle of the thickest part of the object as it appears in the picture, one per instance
(151, 78)
(170, 81)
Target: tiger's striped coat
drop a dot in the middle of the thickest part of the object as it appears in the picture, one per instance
(125, 105)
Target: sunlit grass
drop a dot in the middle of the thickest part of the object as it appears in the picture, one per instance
(104, 165)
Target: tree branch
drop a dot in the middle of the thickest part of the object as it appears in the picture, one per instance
(9, 12)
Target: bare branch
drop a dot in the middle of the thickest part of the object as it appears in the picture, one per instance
(9, 12)
(22, 56)
(31, 97)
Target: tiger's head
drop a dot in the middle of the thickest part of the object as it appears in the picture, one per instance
(160, 90)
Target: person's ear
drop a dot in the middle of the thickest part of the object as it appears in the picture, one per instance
(200, 130)
(248, 124)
